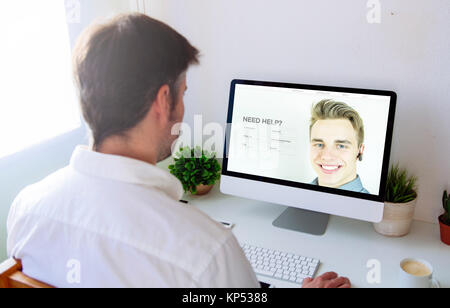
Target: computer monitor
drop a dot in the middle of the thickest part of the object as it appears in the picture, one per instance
(319, 150)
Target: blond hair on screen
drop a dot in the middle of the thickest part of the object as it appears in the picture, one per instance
(329, 109)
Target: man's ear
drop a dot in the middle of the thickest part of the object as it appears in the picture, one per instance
(361, 152)
(162, 105)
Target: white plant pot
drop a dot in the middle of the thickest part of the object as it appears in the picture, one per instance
(397, 219)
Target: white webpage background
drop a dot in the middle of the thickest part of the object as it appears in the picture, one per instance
(282, 152)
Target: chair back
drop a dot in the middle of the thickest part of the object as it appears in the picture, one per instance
(11, 277)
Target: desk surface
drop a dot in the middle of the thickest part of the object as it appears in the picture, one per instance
(346, 247)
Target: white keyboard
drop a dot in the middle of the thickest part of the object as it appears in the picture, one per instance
(281, 265)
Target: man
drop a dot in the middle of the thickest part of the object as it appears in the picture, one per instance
(337, 143)
(112, 218)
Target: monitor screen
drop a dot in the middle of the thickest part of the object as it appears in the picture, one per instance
(322, 138)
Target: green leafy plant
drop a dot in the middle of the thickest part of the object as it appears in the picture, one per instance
(195, 167)
(446, 204)
(400, 186)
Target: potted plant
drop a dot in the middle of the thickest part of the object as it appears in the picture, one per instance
(400, 203)
(444, 220)
(197, 170)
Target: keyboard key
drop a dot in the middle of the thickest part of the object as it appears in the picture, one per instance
(264, 273)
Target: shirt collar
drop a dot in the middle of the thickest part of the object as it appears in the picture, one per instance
(124, 169)
(355, 185)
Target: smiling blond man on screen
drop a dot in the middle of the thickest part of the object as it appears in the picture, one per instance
(337, 143)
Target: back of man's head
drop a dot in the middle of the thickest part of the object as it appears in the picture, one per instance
(119, 67)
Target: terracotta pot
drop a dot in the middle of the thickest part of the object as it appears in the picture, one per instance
(397, 219)
(445, 232)
(203, 189)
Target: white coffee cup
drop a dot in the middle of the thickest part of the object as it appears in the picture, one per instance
(416, 273)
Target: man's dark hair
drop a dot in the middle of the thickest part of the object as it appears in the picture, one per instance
(119, 67)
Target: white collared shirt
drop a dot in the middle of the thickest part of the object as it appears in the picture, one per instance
(111, 221)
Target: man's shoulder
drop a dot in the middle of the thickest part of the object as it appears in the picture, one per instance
(34, 193)
(35, 200)
(365, 191)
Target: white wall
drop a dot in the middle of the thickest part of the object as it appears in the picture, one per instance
(330, 42)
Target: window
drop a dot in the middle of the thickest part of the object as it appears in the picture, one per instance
(37, 96)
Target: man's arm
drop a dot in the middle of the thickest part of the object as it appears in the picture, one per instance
(229, 268)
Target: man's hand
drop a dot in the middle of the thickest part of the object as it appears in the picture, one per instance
(327, 281)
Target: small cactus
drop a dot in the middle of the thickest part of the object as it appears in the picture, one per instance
(446, 204)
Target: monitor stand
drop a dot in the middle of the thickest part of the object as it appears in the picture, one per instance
(303, 221)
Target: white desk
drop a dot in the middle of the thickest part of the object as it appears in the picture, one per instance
(345, 248)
